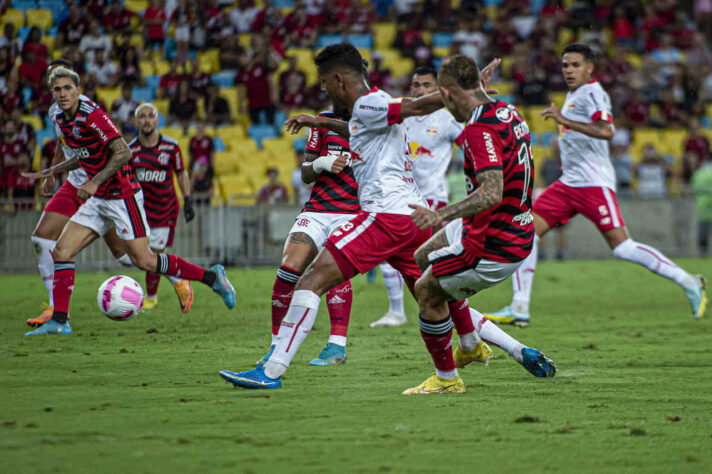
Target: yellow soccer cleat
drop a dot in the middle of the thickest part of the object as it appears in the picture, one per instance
(509, 315)
(481, 353)
(185, 295)
(150, 303)
(435, 384)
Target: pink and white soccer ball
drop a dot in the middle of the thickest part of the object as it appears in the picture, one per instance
(120, 298)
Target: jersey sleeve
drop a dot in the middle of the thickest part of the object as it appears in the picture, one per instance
(316, 141)
(101, 125)
(178, 164)
(377, 112)
(598, 106)
(483, 147)
(455, 131)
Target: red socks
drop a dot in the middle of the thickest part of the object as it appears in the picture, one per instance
(152, 281)
(438, 340)
(175, 266)
(62, 290)
(460, 312)
(338, 301)
(282, 292)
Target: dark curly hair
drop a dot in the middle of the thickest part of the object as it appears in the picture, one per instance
(342, 55)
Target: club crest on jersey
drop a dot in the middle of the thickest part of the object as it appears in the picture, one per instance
(504, 114)
(76, 132)
(164, 158)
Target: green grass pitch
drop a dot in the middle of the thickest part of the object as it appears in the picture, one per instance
(633, 392)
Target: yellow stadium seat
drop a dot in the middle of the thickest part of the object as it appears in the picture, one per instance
(245, 40)
(57, 54)
(147, 68)
(672, 142)
(506, 67)
(48, 41)
(366, 54)
(245, 149)
(135, 22)
(226, 162)
(503, 88)
(136, 41)
(230, 95)
(108, 95)
(136, 6)
(35, 121)
(384, 34)
(238, 189)
(14, 16)
(41, 18)
(388, 56)
(558, 98)
(162, 106)
(175, 133)
(441, 52)
(161, 67)
(232, 132)
(279, 148)
(642, 137)
(536, 122)
(491, 12)
(404, 66)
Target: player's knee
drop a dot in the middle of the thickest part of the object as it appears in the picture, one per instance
(421, 258)
(62, 254)
(144, 261)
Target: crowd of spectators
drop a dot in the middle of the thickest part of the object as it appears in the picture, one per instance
(653, 58)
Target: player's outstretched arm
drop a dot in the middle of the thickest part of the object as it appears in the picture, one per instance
(424, 105)
(68, 165)
(296, 123)
(487, 194)
(599, 129)
(48, 185)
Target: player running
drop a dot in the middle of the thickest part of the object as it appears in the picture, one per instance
(154, 157)
(113, 199)
(587, 186)
(430, 140)
(63, 205)
(333, 202)
(492, 230)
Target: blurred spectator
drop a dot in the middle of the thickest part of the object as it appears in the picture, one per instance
(696, 142)
(229, 53)
(104, 72)
(301, 31)
(473, 42)
(201, 147)
(292, 86)
(268, 16)
(10, 41)
(673, 115)
(256, 75)
(72, 29)
(129, 67)
(168, 85)
(623, 165)
(523, 20)
(95, 43)
(409, 38)
(300, 188)
(505, 36)
(6, 68)
(123, 108)
(652, 174)
(24, 131)
(181, 20)
(10, 148)
(637, 110)
(242, 16)
(533, 90)
(402, 9)
(11, 99)
(21, 190)
(213, 21)
(154, 17)
(117, 19)
(31, 69)
(182, 109)
(34, 43)
(41, 97)
(702, 187)
(47, 154)
(623, 28)
(217, 109)
(380, 77)
(201, 183)
(198, 80)
(273, 192)
(95, 8)
(358, 16)
(666, 55)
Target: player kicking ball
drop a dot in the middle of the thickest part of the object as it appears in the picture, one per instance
(113, 199)
(587, 186)
(491, 230)
(63, 205)
(154, 158)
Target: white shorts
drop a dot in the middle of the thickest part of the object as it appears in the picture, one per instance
(181, 34)
(127, 215)
(161, 237)
(458, 275)
(319, 225)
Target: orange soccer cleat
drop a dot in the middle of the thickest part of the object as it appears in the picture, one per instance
(185, 295)
(46, 315)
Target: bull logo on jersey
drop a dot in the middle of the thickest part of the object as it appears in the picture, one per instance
(416, 150)
(504, 114)
(432, 131)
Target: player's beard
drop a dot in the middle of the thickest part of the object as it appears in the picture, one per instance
(145, 134)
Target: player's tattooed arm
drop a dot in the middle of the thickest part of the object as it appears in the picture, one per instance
(487, 194)
(120, 155)
(296, 123)
(436, 242)
(599, 129)
(67, 165)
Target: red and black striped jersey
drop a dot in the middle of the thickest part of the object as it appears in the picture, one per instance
(88, 134)
(497, 138)
(336, 193)
(154, 170)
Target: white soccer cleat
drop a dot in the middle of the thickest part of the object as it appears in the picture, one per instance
(390, 320)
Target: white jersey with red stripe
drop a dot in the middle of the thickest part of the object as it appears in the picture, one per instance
(430, 140)
(78, 176)
(381, 164)
(585, 160)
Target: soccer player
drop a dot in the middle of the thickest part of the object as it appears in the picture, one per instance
(491, 230)
(382, 230)
(587, 186)
(154, 157)
(113, 199)
(333, 202)
(430, 140)
(63, 205)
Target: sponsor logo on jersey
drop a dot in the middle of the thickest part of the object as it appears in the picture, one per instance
(165, 147)
(525, 218)
(150, 176)
(571, 106)
(489, 145)
(432, 131)
(375, 109)
(101, 133)
(416, 150)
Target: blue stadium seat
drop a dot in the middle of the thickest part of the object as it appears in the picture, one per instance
(169, 46)
(442, 40)
(508, 98)
(300, 144)
(23, 33)
(143, 94)
(260, 132)
(327, 40)
(283, 3)
(279, 118)
(219, 145)
(161, 121)
(24, 4)
(152, 81)
(437, 62)
(360, 41)
(224, 79)
(493, 3)
(26, 94)
(536, 6)
(43, 135)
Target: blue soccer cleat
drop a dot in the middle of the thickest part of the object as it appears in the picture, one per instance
(371, 276)
(333, 354)
(266, 357)
(537, 363)
(222, 286)
(697, 296)
(51, 327)
(254, 378)
(509, 315)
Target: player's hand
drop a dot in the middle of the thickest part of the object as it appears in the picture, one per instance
(296, 123)
(552, 112)
(188, 210)
(486, 75)
(339, 164)
(87, 190)
(424, 218)
(47, 189)
(36, 174)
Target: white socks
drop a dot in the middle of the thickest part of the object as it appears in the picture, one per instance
(492, 334)
(173, 279)
(523, 278)
(468, 342)
(125, 260)
(294, 329)
(394, 286)
(338, 340)
(654, 261)
(45, 263)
